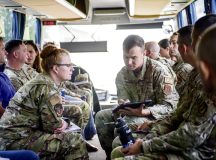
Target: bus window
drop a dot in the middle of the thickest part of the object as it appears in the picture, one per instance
(5, 24)
(200, 9)
(185, 22)
(29, 28)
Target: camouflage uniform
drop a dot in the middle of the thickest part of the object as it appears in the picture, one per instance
(19, 77)
(166, 62)
(189, 133)
(77, 113)
(182, 71)
(193, 86)
(166, 125)
(80, 75)
(153, 83)
(31, 118)
(79, 91)
(85, 85)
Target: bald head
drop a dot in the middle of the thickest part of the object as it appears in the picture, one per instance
(152, 49)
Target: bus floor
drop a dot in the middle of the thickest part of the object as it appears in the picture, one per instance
(100, 154)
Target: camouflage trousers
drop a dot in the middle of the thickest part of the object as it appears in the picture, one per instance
(118, 155)
(64, 146)
(77, 113)
(106, 128)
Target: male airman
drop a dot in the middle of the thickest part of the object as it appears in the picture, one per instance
(141, 79)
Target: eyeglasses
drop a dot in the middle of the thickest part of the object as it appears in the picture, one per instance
(67, 65)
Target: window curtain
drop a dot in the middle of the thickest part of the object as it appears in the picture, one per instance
(18, 25)
(213, 6)
(38, 32)
(210, 6)
(207, 6)
(180, 19)
(191, 13)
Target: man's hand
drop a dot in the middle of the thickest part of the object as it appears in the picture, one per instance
(133, 149)
(144, 126)
(122, 101)
(62, 128)
(139, 112)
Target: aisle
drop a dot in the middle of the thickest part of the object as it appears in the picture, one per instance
(100, 154)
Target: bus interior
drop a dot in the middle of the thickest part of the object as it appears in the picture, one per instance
(93, 30)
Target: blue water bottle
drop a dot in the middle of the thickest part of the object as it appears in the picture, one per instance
(125, 134)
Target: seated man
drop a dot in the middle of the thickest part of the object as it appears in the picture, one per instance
(165, 50)
(80, 75)
(189, 133)
(17, 71)
(7, 91)
(141, 79)
(153, 52)
(174, 53)
(185, 49)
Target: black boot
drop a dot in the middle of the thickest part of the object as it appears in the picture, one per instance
(91, 148)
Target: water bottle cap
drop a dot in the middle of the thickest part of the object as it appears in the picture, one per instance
(120, 122)
(63, 93)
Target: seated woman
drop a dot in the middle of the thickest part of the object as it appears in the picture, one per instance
(33, 119)
(34, 55)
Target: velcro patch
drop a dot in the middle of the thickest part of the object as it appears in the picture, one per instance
(167, 89)
(168, 80)
(55, 99)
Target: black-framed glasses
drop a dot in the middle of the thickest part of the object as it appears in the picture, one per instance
(65, 64)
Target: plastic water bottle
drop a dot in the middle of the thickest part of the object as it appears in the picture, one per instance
(125, 134)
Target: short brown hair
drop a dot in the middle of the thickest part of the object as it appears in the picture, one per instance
(206, 49)
(132, 41)
(12, 45)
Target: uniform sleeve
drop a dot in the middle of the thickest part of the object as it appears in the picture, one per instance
(49, 119)
(16, 83)
(182, 75)
(186, 136)
(169, 123)
(120, 86)
(166, 95)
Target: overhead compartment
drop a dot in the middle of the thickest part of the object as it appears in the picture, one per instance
(155, 8)
(54, 9)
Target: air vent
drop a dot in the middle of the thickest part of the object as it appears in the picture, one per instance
(110, 16)
(98, 46)
(140, 26)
